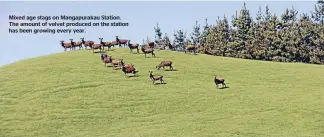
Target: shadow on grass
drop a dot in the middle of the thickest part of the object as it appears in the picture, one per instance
(224, 87)
(110, 50)
(160, 83)
(131, 76)
(170, 70)
(109, 66)
(99, 52)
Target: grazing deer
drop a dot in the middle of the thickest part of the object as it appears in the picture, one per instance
(156, 77)
(88, 43)
(164, 64)
(66, 45)
(133, 46)
(219, 81)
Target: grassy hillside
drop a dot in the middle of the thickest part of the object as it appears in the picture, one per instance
(73, 94)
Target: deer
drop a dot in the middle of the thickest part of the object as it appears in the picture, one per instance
(105, 44)
(156, 77)
(219, 81)
(127, 68)
(121, 41)
(66, 45)
(96, 46)
(150, 44)
(88, 43)
(114, 62)
(190, 47)
(76, 44)
(164, 64)
(147, 51)
(133, 46)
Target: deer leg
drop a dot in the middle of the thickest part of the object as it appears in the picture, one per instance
(216, 85)
(137, 51)
(224, 85)
(153, 54)
(171, 67)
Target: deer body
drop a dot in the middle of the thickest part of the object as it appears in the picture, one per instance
(156, 77)
(164, 64)
(147, 51)
(219, 81)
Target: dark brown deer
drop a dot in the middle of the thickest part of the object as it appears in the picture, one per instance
(88, 43)
(105, 44)
(156, 77)
(121, 41)
(219, 81)
(150, 44)
(147, 51)
(127, 68)
(76, 44)
(133, 46)
(66, 45)
(164, 64)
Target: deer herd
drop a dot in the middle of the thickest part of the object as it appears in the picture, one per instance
(148, 48)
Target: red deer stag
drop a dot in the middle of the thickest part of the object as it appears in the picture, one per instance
(156, 77)
(127, 68)
(164, 64)
(88, 43)
(105, 44)
(147, 51)
(121, 41)
(66, 45)
(76, 44)
(133, 46)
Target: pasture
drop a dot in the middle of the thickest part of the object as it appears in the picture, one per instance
(72, 94)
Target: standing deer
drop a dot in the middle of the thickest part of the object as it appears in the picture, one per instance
(96, 46)
(147, 51)
(105, 44)
(190, 48)
(66, 45)
(76, 44)
(121, 41)
(133, 46)
(156, 77)
(88, 43)
(219, 81)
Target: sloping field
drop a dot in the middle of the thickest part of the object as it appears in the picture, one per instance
(73, 94)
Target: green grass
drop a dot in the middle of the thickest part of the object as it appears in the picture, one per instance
(73, 94)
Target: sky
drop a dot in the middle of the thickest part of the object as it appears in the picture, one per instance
(141, 16)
